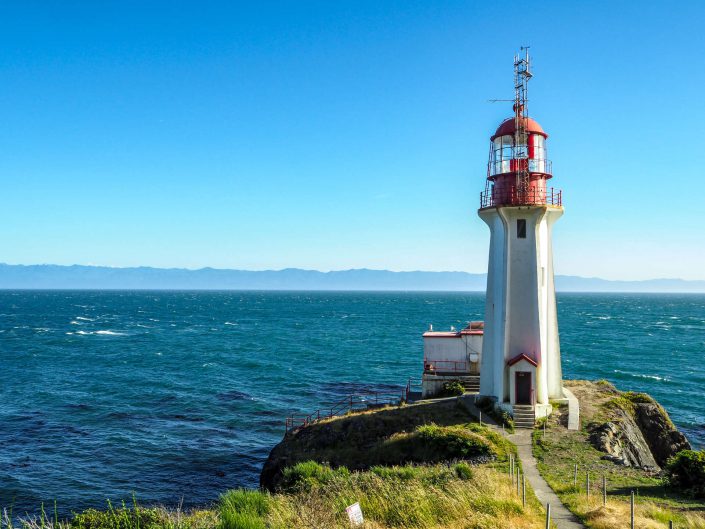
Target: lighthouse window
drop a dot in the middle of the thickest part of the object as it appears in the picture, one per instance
(521, 228)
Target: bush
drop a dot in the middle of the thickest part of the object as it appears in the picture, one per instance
(243, 509)
(463, 471)
(452, 442)
(453, 388)
(308, 474)
(117, 518)
(686, 472)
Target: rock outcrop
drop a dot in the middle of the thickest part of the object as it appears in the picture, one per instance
(623, 442)
(663, 438)
(639, 432)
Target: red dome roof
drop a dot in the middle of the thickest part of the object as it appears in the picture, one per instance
(506, 128)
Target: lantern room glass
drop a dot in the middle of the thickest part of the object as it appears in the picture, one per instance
(502, 151)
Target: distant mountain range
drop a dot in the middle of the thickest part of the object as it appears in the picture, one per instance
(101, 277)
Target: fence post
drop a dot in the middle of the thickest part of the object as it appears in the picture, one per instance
(670, 524)
(631, 505)
(604, 491)
(548, 516)
(587, 484)
(480, 417)
(575, 476)
(510, 466)
(523, 491)
(518, 474)
(545, 420)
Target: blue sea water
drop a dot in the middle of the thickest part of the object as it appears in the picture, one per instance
(180, 395)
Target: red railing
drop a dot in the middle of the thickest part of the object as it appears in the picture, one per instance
(512, 197)
(412, 386)
(445, 366)
(359, 401)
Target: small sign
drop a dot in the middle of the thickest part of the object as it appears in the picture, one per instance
(355, 514)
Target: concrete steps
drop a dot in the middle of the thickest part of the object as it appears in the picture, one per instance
(524, 416)
(471, 384)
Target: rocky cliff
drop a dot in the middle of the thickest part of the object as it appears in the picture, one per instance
(631, 428)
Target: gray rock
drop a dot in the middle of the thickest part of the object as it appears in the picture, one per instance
(663, 439)
(623, 441)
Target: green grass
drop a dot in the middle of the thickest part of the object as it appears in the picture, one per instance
(442, 496)
(560, 450)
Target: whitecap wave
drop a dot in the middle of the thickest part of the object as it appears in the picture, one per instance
(642, 375)
(84, 318)
(231, 323)
(110, 333)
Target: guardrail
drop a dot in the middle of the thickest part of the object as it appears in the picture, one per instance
(353, 402)
(445, 366)
(513, 197)
(413, 385)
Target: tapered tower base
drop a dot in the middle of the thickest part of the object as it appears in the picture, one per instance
(521, 359)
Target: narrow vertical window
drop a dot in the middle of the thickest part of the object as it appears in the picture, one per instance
(521, 228)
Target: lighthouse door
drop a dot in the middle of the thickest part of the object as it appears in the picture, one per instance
(523, 387)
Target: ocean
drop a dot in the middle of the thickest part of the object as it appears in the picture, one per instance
(177, 396)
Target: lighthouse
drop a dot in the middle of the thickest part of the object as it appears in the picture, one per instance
(521, 357)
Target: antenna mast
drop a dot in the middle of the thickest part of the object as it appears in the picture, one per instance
(522, 75)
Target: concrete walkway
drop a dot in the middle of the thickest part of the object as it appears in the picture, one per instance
(562, 517)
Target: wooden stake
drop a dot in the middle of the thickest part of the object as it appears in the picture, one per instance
(548, 516)
(604, 491)
(587, 484)
(523, 491)
(575, 477)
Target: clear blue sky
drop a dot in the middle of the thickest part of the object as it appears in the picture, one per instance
(335, 135)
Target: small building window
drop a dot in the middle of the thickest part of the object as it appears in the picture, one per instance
(521, 228)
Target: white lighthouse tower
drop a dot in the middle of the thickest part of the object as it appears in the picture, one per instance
(521, 357)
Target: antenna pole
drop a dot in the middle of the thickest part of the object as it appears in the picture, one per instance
(522, 75)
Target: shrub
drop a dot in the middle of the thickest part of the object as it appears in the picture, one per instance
(117, 518)
(452, 442)
(486, 404)
(463, 471)
(309, 474)
(686, 472)
(243, 509)
(453, 388)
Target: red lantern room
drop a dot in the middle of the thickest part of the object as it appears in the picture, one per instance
(518, 168)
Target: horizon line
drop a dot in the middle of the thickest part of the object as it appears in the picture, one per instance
(206, 268)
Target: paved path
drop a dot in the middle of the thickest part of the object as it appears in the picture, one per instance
(562, 517)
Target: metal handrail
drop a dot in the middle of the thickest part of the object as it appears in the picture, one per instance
(410, 385)
(446, 366)
(356, 401)
(513, 197)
